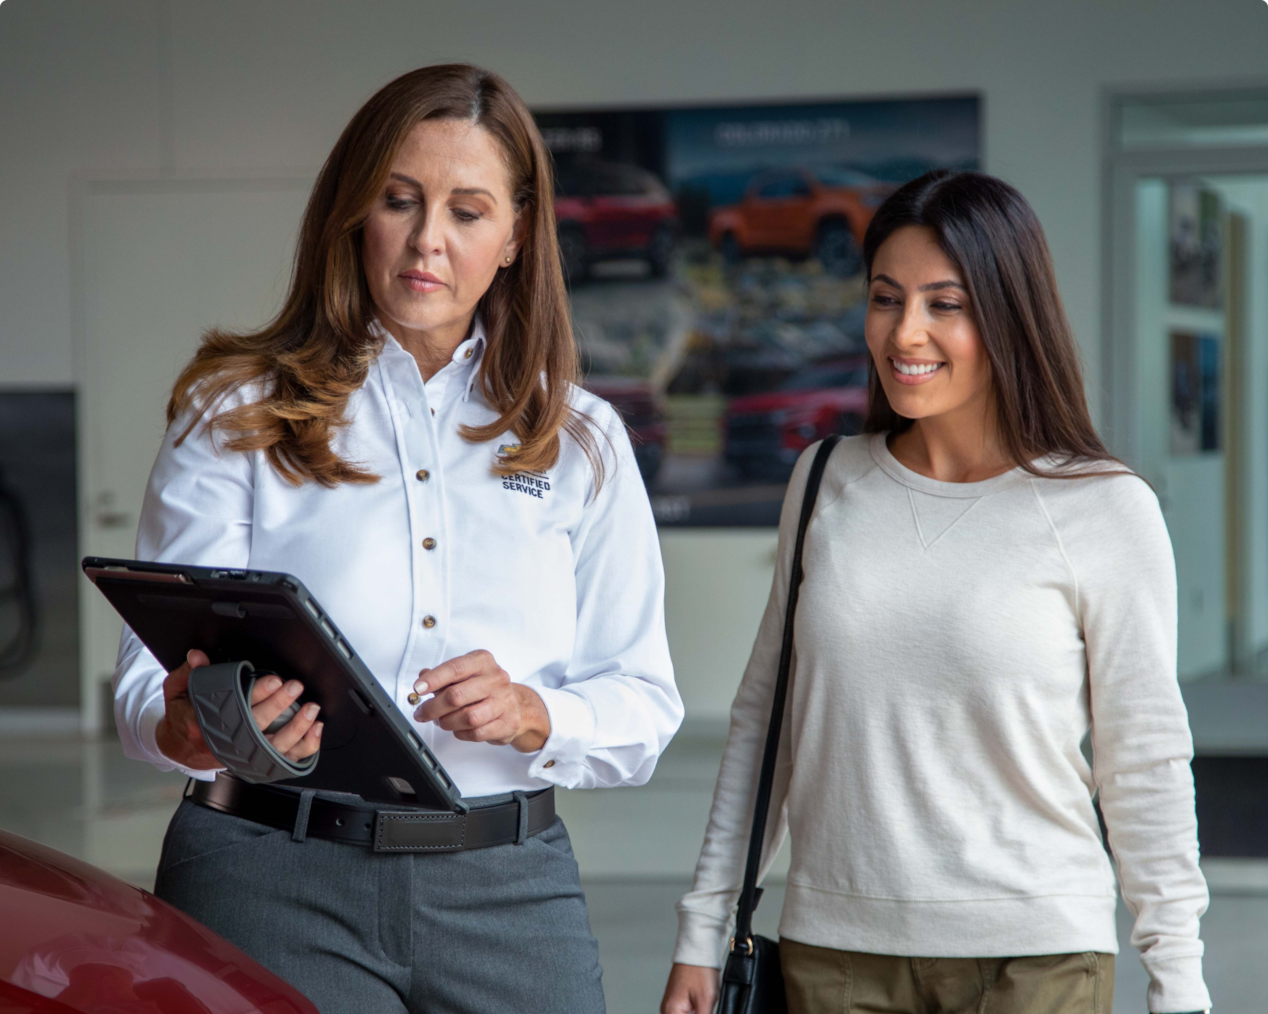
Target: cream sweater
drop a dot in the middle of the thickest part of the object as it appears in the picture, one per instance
(955, 642)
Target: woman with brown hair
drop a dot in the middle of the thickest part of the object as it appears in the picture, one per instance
(983, 587)
(408, 438)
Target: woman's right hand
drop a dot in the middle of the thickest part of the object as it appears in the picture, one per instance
(692, 989)
(181, 740)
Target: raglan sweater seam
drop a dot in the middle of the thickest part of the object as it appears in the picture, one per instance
(1056, 535)
(823, 505)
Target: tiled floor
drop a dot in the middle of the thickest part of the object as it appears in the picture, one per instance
(636, 848)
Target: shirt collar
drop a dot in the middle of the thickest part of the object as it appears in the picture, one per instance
(472, 352)
(469, 353)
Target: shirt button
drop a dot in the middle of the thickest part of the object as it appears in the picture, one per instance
(429, 543)
(429, 622)
(467, 354)
(549, 764)
(413, 698)
(422, 475)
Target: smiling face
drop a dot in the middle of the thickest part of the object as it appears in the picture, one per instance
(921, 330)
(438, 233)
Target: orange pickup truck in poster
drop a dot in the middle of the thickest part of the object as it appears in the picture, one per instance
(801, 213)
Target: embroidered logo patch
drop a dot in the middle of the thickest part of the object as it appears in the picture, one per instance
(535, 484)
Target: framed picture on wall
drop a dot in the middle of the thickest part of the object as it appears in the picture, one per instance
(1195, 393)
(1195, 241)
(714, 258)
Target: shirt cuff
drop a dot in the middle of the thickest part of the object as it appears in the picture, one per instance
(147, 732)
(701, 940)
(1176, 984)
(562, 758)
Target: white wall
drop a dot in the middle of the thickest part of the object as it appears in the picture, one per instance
(80, 93)
(88, 86)
(100, 87)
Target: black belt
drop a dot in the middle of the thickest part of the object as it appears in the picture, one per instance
(389, 830)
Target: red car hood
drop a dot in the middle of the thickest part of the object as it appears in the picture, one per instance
(73, 933)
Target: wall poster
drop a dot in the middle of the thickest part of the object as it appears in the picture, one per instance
(714, 265)
(1194, 230)
(1195, 393)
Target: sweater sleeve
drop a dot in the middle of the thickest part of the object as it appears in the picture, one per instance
(707, 913)
(1142, 748)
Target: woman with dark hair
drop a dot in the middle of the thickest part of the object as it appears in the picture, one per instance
(408, 438)
(984, 587)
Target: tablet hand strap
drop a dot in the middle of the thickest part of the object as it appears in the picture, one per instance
(221, 695)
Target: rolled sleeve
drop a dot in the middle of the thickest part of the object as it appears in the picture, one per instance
(700, 938)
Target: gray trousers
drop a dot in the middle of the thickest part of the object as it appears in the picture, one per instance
(500, 929)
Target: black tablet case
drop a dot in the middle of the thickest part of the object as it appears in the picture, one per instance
(271, 620)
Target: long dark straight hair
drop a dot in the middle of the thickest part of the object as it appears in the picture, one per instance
(993, 236)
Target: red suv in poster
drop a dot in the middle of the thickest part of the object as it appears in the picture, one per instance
(610, 210)
(765, 433)
(800, 213)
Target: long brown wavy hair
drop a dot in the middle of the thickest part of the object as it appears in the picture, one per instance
(990, 232)
(318, 349)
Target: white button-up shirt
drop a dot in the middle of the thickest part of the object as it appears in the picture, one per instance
(438, 558)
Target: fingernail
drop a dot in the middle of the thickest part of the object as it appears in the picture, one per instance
(319, 726)
(420, 687)
(272, 683)
(294, 687)
(189, 654)
(311, 711)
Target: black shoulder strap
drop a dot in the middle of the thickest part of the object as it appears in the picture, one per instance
(750, 894)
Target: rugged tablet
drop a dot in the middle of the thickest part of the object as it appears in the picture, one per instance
(272, 622)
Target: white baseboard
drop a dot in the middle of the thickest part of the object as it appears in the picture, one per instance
(40, 722)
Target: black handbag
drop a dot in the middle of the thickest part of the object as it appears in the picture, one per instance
(752, 982)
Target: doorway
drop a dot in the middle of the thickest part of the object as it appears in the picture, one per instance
(159, 262)
(1187, 360)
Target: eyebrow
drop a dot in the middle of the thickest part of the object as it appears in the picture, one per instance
(930, 287)
(456, 190)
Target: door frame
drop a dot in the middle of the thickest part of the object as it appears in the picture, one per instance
(1218, 709)
(1122, 170)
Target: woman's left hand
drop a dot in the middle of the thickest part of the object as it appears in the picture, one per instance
(476, 701)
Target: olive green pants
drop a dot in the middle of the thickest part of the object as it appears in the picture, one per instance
(820, 980)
